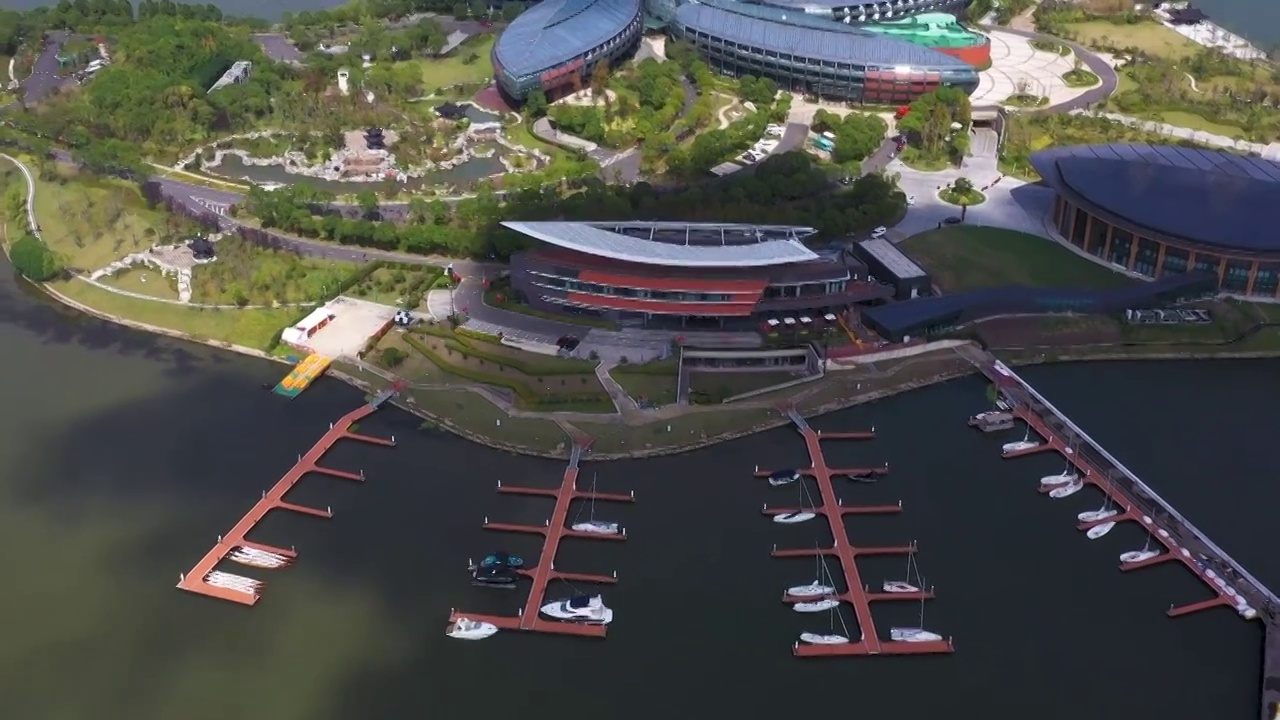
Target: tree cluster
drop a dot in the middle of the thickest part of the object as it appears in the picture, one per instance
(649, 99)
(931, 124)
(757, 90)
(784, 189)
(857, 134)
(34, 259)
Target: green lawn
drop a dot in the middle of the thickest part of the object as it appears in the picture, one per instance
(251, 328)
(144, 281)
(1151, 37)
(710, 388)
(681, 431)
(969, 257)
(453, 70)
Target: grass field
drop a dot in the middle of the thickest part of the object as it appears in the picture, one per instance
(1191, 121)
(652, 383)
(1152, 38)
(245, 274)
(677, 432)
(144, 281)
(452, 70)
(94, 222)
(251, 328)
(716, 387)
(970, 258)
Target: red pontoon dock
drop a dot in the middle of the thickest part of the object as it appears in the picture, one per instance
(857, 594)
(555, 530)
(195, 579)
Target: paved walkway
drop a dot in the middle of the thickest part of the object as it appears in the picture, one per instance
(1270, 152)
(1016, 65)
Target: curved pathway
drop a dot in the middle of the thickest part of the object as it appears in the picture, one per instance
(1110, 79)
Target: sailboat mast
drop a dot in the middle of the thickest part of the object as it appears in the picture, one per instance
(594, 477)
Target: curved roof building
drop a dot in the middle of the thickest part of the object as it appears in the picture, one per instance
(556, 40)
(1160, 210)
(665, 272)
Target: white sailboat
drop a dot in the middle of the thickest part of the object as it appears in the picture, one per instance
(1101, 513)
(804, 514)
(902, 586)
(1098, 531)
(592, 525)
(914, 634)
(817, 588)
(466, 629)
(1135, 556)
(1066, 477)
(1066, 490)
(813, 606)
(831, 637)
(1026, 443)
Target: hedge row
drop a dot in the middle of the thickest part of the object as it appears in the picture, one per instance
(528, 398)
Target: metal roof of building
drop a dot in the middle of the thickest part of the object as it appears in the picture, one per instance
(1203, 196)
(555, 31)
(892, 259)
(781, 31)
(742, 245)
(901, 8)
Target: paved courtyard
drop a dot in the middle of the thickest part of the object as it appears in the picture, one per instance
(1014, 64)
(356, 321)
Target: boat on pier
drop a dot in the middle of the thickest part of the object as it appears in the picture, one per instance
(992, 421)
(1026, 443)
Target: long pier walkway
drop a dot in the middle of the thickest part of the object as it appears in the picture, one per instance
(555, 530)
(1231, 584)
(206, 580)
(856, 593)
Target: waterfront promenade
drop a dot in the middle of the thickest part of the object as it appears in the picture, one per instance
(1210, 562)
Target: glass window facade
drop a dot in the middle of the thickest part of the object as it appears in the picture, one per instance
(1206, 262)
(1175, 261)
(1266, 280)
(1235, 278)
(1077, 230)
(1064, 219)
(1148, 256)
(590, 288)
(1096, 238)
(1121, 244)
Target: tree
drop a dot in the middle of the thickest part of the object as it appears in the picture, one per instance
(367, 200)
(535, 103)
(460, 10)
(962, 186)
(34, 259)
(599, 79)
(479, 8)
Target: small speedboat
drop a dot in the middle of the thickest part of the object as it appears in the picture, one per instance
(814, 606)
(902, 634)
(1137, 556)
(465, 629)
(813, 589)
(1096, 515)
(898, 586)
(778, 478)
(817, 639)
(1098, 531)
(794, 517)
(863, 477)
(1018, 446)
(597, 527)
(1062, 478)
(502, 559)
(1066, 490)
(586, 609)
(494, 576)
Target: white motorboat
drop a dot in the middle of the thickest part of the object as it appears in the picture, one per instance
(814, 606)
(466, 629)
(913, 635)
(783, 477)
(597, 527)
(1096, 515)
(1098, 531)
(898, 586)
(1062, 478)
(792, 518)
(813, 589)
(816, 639)
(1137, 556)
(1066, 490)
(591, 524)
(586, 609)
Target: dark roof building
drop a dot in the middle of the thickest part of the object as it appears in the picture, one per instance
(1162, 210)
(674, 273)
(550, 44)
(887, 264)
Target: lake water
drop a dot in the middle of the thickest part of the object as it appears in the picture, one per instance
(123, 455)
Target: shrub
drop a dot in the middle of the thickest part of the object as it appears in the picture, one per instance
(33, 258)
(391, 357)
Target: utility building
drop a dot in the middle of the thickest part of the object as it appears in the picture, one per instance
(887, 264)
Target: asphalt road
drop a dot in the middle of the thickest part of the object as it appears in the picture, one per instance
(44, 79)
(278, 48)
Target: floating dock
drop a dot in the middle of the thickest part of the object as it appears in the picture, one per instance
(302, 375)
(857, 594)
(1183, 542)
(555, 530)
(205, 579)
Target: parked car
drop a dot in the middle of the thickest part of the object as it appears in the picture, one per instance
(911, 200)
(879, 232)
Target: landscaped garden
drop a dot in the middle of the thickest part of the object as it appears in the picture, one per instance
(962, 192)
(536, 382)
(1080, 78)
(649, 384)
(1050, 46)
(1027, 133)
(1026, 100)
(966, 257)
(399, 286)
(246, 274)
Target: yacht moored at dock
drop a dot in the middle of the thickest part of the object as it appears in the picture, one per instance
(467, 629)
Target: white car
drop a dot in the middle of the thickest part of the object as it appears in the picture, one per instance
(879, 232)
(911, 200)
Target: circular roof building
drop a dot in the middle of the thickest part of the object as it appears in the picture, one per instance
(1164, 209)
(556, 40)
